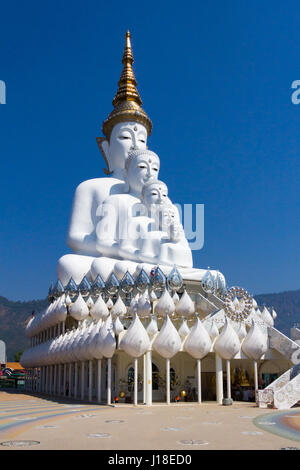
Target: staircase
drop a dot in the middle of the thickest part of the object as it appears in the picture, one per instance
(284, 392)
(286, 346)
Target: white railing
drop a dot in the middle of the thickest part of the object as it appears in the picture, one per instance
(283, 393)
(286, 346)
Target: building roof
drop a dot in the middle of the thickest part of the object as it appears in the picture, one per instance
(14, 365)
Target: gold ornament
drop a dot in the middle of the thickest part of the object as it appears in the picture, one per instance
(242, 294)
(127, 101)
(122, 394)
(242, 378)
(183, 393)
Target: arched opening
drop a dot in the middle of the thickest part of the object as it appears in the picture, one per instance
(70, 323)
(155, 377)
(130, 379)
(172, 379)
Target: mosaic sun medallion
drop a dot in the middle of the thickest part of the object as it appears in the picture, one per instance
(171, 429)
(114, 421)
(193, 442)
(19, 443)
(238, 304)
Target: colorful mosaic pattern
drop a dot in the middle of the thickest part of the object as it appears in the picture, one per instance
(15, 416)
(283, 423)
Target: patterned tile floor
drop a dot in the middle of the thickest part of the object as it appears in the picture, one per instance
(62, 424)
(19, 414)
(283, 423)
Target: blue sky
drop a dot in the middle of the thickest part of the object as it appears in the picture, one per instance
(215, 78)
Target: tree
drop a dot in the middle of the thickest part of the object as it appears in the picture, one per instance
(17, 356)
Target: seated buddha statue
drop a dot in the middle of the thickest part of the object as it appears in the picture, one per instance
(125, 130)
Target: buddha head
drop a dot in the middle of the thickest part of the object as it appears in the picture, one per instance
(142, 166)
(128, 125)
(125, 137)
(155, 193)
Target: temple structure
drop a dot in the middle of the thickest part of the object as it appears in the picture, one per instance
(130, 318)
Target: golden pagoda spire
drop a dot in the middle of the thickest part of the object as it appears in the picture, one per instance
(127, 83)
(127, 101)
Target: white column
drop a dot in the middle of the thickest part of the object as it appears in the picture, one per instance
(82, 380)
(59, 379)
(219, 379)
(168, 381)
(76, 380)
(70, 379)
(47, 379)
(135, 390)
(228, 378)
(90, 379)
(99, 381)
(255, 376)
(199, 380)
(144, 378)
(109, 381)
(42, 379)
(55, 380)
(51, 380)
(149, 378)
(65, 380)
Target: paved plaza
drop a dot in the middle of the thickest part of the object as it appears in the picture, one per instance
(49, 424)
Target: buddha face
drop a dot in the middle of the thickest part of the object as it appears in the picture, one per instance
(125, 136)
(155, 193)
(142, 168)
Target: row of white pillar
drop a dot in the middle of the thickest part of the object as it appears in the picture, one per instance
(147, 380)
(53, 380)
(49, 333)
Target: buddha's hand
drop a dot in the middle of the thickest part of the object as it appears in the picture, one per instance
(175, 232)
(147, 257)
(128, 252)
(168, 217)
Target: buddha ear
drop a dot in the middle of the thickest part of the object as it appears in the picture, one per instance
(103, 145)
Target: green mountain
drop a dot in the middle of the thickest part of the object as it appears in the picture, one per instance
(287, 307)
(13, 316)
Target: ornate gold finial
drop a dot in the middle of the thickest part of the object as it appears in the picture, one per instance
(127, 101)
(127, 83)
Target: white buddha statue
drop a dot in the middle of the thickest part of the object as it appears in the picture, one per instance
(126, 129)
(165, 241)
(124, 220)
